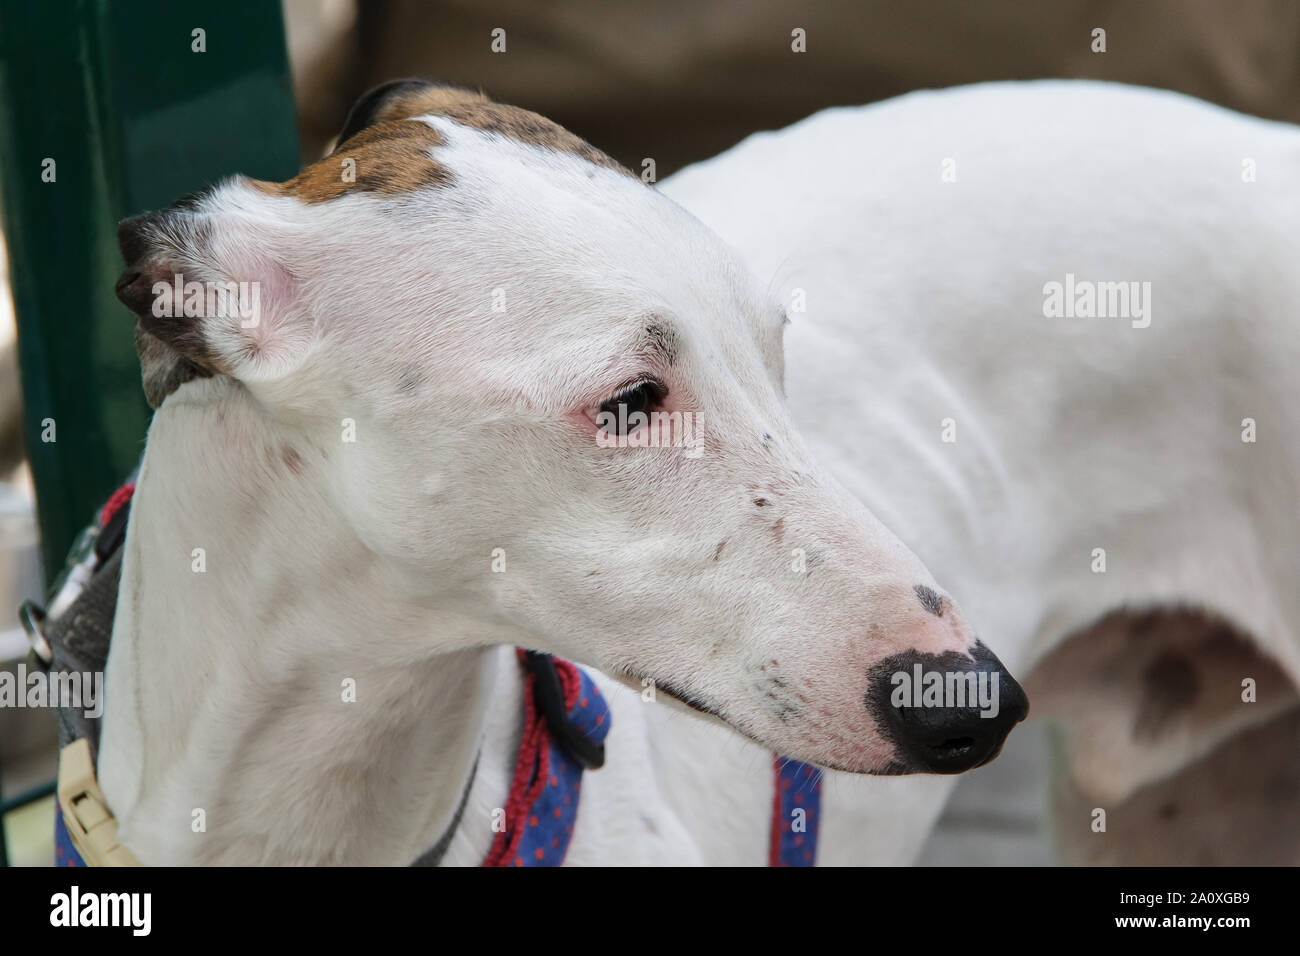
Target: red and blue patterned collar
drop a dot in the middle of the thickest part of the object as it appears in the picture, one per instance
(559, 743)
(566, 720)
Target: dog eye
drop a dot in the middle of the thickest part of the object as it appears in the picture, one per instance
(616, 416)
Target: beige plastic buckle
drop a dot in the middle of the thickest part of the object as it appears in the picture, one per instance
(86, 816)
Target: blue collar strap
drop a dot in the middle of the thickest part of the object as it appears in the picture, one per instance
(796, 813)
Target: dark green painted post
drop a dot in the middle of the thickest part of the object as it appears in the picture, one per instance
(133, 116)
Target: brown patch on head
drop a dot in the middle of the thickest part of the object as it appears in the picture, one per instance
(391, 153)
(415, 98)
(390, 159)
(478, 112)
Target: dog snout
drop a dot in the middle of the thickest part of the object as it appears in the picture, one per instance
(133, 236)
(945, 713)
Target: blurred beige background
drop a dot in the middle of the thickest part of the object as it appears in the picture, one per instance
(681, 80)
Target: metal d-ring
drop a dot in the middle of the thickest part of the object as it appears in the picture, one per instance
(32, 617)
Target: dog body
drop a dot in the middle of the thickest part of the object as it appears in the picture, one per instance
(393, 475)
(1055, 465)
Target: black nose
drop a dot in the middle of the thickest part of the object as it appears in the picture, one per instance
(945, 713)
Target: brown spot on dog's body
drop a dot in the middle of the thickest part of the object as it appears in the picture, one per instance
(1222, 640)
(1171, 687)
(717, 553)
(1234, 806)
(292, 460)
(1132, 688)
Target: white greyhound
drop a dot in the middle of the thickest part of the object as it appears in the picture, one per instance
(1050, 341)
(396, 472)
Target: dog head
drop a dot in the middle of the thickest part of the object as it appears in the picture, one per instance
(541, 390)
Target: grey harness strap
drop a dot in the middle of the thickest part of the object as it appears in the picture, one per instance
(78, 641)
(74, 637)
(69, 644)
(433, 856)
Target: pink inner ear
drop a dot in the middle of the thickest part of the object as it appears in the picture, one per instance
(278, 290)
(268, 329)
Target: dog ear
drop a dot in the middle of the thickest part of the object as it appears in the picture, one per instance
(208, 295)
(401, 99)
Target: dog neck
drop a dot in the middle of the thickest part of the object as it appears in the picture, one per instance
(265, 663)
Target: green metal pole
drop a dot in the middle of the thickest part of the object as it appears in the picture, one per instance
(107, 109)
